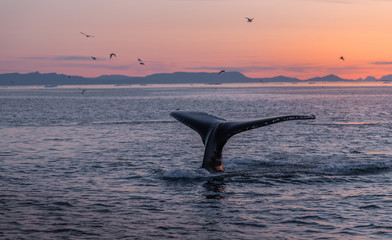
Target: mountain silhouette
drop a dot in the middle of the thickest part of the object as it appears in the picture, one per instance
(53, 79)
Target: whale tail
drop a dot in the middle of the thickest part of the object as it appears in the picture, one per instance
(215, 132)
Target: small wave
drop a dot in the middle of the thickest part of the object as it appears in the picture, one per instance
(176, 174)
(373, 226)
(311, 217)
(71, 232)
(354, 168)
(292, 168)
(5, 154)
(58, 139)
(355, 123)
(132, 122)
(65, 204)
(345, 123)
(237, 163)
(380, 153)
(298, 222)
(371, 206)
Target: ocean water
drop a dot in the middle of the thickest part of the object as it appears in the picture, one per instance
(113, 164)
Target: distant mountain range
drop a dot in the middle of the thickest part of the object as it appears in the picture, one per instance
(54, 79)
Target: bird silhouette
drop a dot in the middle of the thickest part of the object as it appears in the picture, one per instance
(222, 71)
(112, 55)
(94, 58)
(140, 61)
(86, 35)
(342, 58)
(249, 19)
(84, 90)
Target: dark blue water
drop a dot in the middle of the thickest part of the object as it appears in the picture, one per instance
(112, 164)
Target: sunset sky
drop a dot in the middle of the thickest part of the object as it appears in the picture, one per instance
(295, 38)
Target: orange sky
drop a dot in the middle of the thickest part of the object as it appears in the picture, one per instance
(295, 38)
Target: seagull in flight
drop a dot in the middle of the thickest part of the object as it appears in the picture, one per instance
(112, 55)
(94, 58)
(249, 19)
(140, 61)
(84, 90)
(86, 35)
(222, 71)
(342, 58)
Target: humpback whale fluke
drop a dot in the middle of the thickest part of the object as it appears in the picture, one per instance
(215, 132)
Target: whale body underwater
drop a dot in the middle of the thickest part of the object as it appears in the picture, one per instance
(215, 132)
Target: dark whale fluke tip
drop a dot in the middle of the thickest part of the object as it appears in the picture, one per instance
(215, 132)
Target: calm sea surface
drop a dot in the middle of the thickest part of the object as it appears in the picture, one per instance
(112, 164)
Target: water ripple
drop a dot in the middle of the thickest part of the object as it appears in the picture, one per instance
(115, 165)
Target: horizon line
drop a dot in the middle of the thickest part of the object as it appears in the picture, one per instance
(201, 72)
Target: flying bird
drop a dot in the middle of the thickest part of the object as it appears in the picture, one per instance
(86, 34)
(249, 19)
(112, 55)
(140, 61)
(84, 90)
(222, 71)
(342, 58)
(94, 58)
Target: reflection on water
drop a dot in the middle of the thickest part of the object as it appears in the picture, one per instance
(113, 164)
(215, 188)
